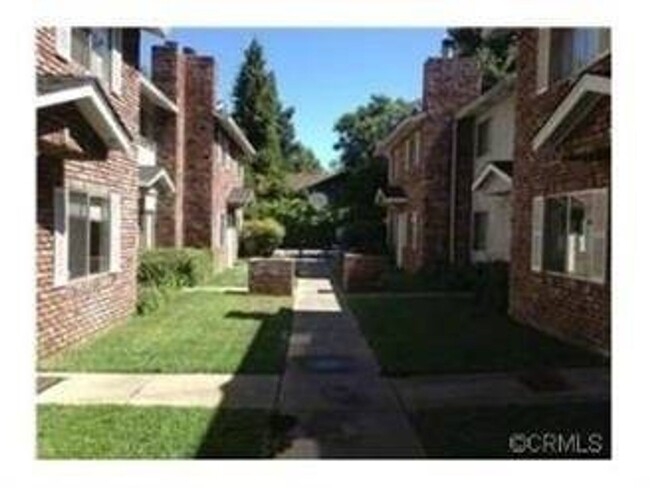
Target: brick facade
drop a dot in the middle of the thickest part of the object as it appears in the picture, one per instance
(272, 276)
(193, 152)
(448, 84)
(68, 313)
(573, 309)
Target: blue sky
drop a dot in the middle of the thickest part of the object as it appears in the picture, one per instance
(323, 73)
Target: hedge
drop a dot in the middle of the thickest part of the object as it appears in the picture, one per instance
(162, 270)
(260, 237)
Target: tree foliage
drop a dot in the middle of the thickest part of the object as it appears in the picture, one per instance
(496, 54)
(268, 125)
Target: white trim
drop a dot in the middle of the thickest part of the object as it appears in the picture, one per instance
(95, 110)
(382, 199)
(600, 85)
(493, 96)
(543, 59)
(407, 123)
(116, 60)
(155, 95)
(60, 255)
(63, 42)
(487, 169)
(229, 125)
(115, 250)
(160, 174)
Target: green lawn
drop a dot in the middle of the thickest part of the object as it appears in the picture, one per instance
(101, 432)
(235, 276)
(484, 432)
(195, 332)
(447, 334)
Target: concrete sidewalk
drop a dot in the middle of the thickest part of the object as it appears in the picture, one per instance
(332, 388)
(177, 390)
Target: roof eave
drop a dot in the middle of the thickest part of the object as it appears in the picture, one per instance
(409, 123)
(155, 95)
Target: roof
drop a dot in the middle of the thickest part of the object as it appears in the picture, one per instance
(149, 176)
(309, 179)
(390, 194)
(501, 169)
(87, 94)
(406, 125)
(155, 96)
(494, 95)
(228, 124)
(582, 98)
(239, 196)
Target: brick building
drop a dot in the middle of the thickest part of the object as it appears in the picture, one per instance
(560, 278)
(419, 154)
(88, 104)
(202, 150)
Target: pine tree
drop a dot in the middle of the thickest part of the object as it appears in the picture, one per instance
(256, 108)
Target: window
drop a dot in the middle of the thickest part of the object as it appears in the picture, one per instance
(573, 49)
(479, 231)
(483, 137)
(414, 149)
(91, 48)
(574, 234)
(89, 234)
(415, 235)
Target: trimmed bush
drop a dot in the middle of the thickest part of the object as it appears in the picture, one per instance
(174, 267)
(150, 298)
(261, 237)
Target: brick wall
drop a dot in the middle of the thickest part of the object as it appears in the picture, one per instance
(573, 309)
(167, 73)
(362, 272)
(448, 84)
(272, 276)
(69, 313)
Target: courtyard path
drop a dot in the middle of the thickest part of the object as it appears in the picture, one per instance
(332, 389)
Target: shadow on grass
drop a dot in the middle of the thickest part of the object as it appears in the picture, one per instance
(237, 431)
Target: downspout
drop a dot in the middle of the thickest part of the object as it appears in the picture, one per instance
(452, 192)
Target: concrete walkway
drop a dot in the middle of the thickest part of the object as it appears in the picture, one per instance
(176, 390)
(332, 388)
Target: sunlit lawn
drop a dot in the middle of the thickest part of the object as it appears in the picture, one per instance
(195, 332)
(237, 276)
(100, 432)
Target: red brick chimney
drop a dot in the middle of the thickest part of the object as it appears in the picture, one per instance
(168, 74)
(449, 83)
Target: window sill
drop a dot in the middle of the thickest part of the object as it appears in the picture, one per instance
(575, 76)
(82, 281)
(558, 274)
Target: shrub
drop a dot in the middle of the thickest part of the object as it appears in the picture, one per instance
(174, 268)
(150, 298)
(260, 237)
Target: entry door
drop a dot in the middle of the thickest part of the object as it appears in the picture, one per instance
(401, 239)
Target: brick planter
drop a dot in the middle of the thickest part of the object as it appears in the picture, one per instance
(271, 276)
(362, 271)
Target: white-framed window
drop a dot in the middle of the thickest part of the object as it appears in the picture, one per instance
(483, 128)
(564, 52)
(99, 50)
(88, 234)
(87, 237)
(569, 234)
(479, 231)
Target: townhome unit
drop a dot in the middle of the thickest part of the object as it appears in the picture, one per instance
(193, 169)
(419, 154)
(88, 107)
(481, 181)
(560, 273)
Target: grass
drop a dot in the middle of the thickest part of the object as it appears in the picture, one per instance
(235, 276)
(446, 334)
(101, 432)
(195, 332)
(484, 432)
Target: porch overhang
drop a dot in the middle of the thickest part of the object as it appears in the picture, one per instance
(89, 98)
(151, 176)
(152, 93)
(499, 169)
(391, 195)
(239, 197)
(579, 102)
